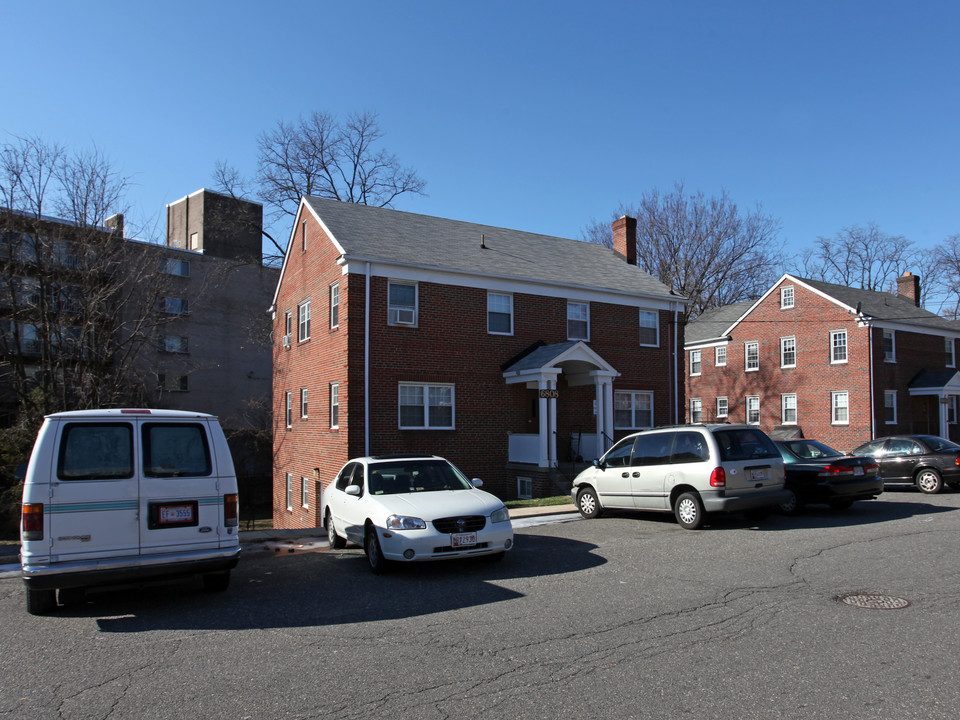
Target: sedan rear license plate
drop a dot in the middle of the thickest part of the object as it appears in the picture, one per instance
(758, 475)
(857, 471)
(175, 514)
(463, 539)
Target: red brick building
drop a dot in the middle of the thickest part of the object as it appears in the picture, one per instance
(507, 352)
(838, 364)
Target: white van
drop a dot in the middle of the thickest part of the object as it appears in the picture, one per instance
(113, 496)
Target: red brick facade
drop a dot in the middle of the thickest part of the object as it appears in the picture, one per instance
(449, 345)
(816, 375)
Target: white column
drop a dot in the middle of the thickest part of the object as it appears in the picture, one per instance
(552, 413)
(544, 460)
(601, 415)
(608, 413)
(944, 417)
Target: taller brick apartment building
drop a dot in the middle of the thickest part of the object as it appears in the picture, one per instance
(837, 364)
(505, 351)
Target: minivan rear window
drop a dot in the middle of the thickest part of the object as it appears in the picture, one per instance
(96, 451)
(745, 444)
(175, 450)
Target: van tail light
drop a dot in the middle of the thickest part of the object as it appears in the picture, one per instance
(231, 510)
(32, 521)
(718, 478)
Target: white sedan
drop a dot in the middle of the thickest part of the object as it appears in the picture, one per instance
(412, 508)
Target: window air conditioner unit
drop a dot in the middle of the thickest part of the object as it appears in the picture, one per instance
(403, 316)
(286, 341)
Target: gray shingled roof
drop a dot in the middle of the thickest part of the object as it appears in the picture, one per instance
(381, 234)
(711, 324)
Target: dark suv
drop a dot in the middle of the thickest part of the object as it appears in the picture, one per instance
(688, 470)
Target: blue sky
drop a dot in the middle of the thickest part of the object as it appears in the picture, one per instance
(540, 116)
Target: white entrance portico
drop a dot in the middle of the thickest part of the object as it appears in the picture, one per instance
(943, 387)
(539, 370)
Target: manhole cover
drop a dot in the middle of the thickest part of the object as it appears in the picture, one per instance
(874, 602)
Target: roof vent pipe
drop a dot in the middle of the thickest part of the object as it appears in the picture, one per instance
(483, 245)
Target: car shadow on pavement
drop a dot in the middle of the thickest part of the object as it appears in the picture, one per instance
(330, 587)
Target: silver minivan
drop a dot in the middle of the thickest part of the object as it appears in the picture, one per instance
(114, 496)
(689, 470)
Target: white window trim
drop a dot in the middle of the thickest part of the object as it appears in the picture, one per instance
(288, 409)
(304, 492)
(334, 405)
(634, 425)
(783, 409)
(394, 316)
(893, 345)
(726, 407)
(833, 407)
(334, 295)
(719, 361)
(587, 305)
(951, 353)
(699, 356)
(783, 303)
(509, 296)
(747, 410)
(426, 406)
(304, 402)
(289, 492)
(696, 406)
(656, 325)
(746, 356)
(886, 394)
(846, 347)
(783, 342)
(524, 488)
(303, 321)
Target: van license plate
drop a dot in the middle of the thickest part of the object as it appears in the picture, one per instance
(758, 475)
(175, 514)
(463, 539)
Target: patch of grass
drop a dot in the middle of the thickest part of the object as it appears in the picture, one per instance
(540, 502)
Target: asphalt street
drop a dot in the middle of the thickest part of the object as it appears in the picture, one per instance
(825, 615)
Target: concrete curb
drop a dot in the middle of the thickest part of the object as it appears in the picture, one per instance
(10, 553)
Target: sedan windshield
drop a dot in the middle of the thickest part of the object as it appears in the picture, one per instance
(808, 450)
(395, 477)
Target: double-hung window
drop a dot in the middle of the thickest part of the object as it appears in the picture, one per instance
(499, 313)
(786, 297)
(304, 394)
(288, 409)
(578, 321)
(304, 492)
(720, 355)
(890, 407)
(334, 405)
(401, 303)
(695, 362)
(303, 321)
(788, 409)
(753, 409)
(334, 305)
(838, 346)
(948, 349)
(632, 410)
(696, 410)
(839, 408)
(889, 346)
(723, 407)
(649, 328)
(788, 352)
(751, 356)
(426, 406)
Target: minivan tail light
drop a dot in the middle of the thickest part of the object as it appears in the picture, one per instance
(231, 510)
(718, 478)
(32, 521)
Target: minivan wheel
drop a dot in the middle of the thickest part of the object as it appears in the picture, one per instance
(929, 481)
(371, 545)
(41, 602)
(689, 510)
(336, 542)
(588, 503)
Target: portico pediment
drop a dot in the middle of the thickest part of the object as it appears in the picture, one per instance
(575, 360)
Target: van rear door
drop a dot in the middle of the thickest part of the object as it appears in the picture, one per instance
(751, 462)
(181, 503)
(93, 503)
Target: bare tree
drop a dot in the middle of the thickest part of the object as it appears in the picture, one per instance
(945, 257)
(322, 156)
(862, 257)
(703, 248)
(78, 303)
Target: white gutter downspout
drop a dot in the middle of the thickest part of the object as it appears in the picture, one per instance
(366, 362)
(873, 409)
(676, 372)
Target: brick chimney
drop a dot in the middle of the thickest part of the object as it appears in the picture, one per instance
(908, 286)
(625, 238)
(115, 223)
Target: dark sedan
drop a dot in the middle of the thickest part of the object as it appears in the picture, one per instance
(816, 473)
(926, 461)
